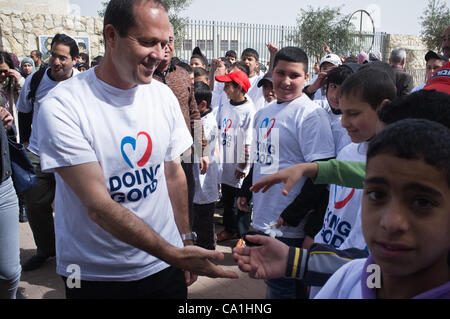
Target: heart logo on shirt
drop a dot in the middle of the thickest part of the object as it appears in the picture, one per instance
(341, 204)
(269, 124)
(227, 124)
(133, 141)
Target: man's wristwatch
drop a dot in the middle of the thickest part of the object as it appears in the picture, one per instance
(190, 236)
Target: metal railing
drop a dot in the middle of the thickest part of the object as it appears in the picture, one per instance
(215, 38)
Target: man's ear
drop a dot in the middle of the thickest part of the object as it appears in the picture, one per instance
(111, 35)
(203, 104)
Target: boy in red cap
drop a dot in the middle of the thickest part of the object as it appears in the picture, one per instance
(235, 121)
(440, 80)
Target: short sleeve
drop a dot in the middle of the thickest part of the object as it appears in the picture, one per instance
(316, 137)
(180, 139)
(62, 139)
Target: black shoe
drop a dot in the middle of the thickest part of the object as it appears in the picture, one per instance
(35, 262)
(23, 213)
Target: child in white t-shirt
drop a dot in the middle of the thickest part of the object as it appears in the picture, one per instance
(235, 120)
(405, 218)
(251, 58)
(207, 185)
(291, 130)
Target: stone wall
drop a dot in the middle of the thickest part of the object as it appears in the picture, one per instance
(415, 54)
(20, 31)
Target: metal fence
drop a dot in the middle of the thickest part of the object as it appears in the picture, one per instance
(215, 38)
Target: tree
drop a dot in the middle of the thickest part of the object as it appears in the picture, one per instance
(174, 7)
(327, 25)
(435, 19)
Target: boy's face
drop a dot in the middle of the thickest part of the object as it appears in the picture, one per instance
(233, 92)
(333, 95)
(406, 216)
(358, 118)
(197, 63)
(268, 92)
(251, 62)
(221, 69)
(433, 65)
(289, 78)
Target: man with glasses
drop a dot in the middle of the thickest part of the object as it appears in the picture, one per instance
(64, 51)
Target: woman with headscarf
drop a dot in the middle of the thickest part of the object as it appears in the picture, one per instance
(27, 67)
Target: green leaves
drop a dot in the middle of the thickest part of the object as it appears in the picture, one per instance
(435, 19)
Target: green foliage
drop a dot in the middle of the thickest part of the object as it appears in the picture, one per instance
(327, 25)
(435, 19)
(174, 7)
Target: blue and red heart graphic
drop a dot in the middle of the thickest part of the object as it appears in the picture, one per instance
(227, 124)
(132, 141)
(269, 124)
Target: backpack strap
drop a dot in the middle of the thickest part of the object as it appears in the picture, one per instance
(34, 84)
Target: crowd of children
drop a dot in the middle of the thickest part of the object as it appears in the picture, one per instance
(266, 129)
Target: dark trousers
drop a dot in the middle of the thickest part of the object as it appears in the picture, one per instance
(169, 283)
(187, 168)
(204, 225)
(234, 220)
(39, 201)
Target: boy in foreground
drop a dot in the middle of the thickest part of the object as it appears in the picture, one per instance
(405, 221)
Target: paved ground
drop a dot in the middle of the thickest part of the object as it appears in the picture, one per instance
(45, 284)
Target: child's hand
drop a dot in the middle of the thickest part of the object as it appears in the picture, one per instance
(6, 118)
(239, 175)
(289, 176)
(273, 49)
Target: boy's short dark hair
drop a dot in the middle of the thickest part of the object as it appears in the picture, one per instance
(197, 54)
(292, 54)
(185, 66)
(382, 66)
(226, 62)
(202, 92)
(415, 139)
(338, 75)
(371, 85)
(250, 52)
(241, 66)
(231, 54)
(64, 39)
(200, 72)
(430, 105)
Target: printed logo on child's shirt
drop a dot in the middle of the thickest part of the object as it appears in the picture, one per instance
(335, 230)
(140, 181)
(227, 135)
(266, 149)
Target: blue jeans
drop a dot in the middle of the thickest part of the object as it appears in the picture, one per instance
(286, 288)
(9, 241)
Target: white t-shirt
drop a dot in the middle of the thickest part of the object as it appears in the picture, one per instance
(287, 134)
(131, 133)
(340, 135)
(342, 222)
(235, 125)
(345, 282)
(219, 97)
(24, 105)
(207, 185)
(256, 93)
(418, 88)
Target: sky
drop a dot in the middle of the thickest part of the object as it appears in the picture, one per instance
(390, 16)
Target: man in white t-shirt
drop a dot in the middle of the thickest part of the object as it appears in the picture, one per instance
(39, 199)
(121, 200)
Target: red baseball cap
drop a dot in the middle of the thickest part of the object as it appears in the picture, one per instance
(236, 76)
(440, 80)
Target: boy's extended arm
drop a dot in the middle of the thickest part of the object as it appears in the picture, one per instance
(343, 173)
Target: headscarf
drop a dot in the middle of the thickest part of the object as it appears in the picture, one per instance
(27, 60)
